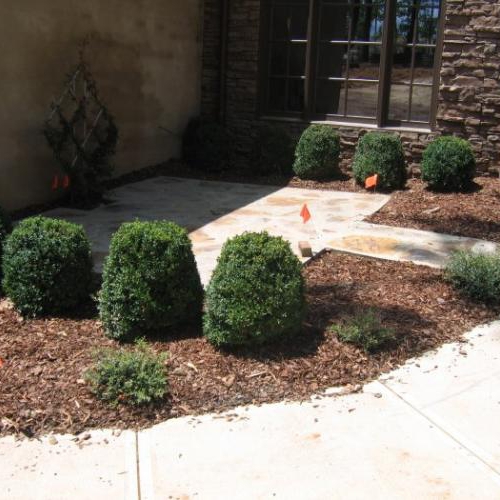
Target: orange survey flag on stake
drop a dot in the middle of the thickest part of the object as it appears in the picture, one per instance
(305, 214)
(55, 182)
(66, 182)
(371, 182)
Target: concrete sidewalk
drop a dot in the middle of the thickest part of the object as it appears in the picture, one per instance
(427, 430)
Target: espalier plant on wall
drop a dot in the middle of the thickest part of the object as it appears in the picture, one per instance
(82, 135)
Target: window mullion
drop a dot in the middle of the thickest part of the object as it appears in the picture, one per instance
(312, 31)
(386, 57)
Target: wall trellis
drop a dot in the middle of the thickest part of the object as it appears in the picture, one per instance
(82, 135)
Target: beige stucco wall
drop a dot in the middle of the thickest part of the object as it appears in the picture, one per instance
(145, 55)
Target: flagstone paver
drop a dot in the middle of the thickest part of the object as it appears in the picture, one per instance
(215, 211)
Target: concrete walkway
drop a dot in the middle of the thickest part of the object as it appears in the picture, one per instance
(427, 430)
(215, 211)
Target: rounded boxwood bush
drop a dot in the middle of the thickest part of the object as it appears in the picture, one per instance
(256, 293)
(475, 275)
(317, 153)
(150, 280)
(448, 164)
(272, 151)
(382, 154)
(5, 229)
(205, 145)
(47, 266)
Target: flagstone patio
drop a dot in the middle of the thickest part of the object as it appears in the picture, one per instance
(214, 211)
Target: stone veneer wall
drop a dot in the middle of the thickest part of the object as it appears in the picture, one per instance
(469, 96)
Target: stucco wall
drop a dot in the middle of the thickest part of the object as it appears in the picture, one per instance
(145, 55)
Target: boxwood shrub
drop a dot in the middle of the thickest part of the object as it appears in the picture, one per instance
(256, 293)
(134, 377)
(365, 330)
(5, 229)
(47, 266)
(317, 153)
(205, 145)
(448, 164)
(380, 153)
(272, 151)
(475, 275)
(150, 281)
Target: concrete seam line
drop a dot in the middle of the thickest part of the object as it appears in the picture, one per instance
(145, 478)
(137, 465)
(475, 451)
(131, 489)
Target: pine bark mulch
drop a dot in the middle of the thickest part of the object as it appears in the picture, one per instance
(474, 214)
(43, 361)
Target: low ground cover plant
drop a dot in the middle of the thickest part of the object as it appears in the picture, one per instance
(476, 275)
(317, 153)
(5, 229)
(382, 154)
(47, 266)
(273, 151)
(365, 330)
(205, 145)
(256, 293)
(135, 377)
(150, 281)
(448, 164)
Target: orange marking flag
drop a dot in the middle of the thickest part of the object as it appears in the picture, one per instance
(66, 182)
(55, 182)
(305, 214)
(371, 182)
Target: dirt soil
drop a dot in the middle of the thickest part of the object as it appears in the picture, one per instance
(42, 362)
(474, 214)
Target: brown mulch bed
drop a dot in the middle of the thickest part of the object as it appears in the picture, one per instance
(474, 214)
(41, 379)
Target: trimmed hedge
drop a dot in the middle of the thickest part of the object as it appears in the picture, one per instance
(150, 280)
(448, 164)
(256, 293)
(273, 151)
(5, 229)
(205, 145)
(380, 153)
(134, 377)
(47, 266)
(475, 275)
(317, 153)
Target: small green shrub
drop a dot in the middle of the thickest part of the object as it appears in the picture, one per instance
(272, 151)
(448, 164)
(256, 293)
(205, 145)
(134, 377)
(364, 330)
(5, 229)
(47, 266)
(317, 153)
(382, 154)
(150, 280)
(475, 275)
